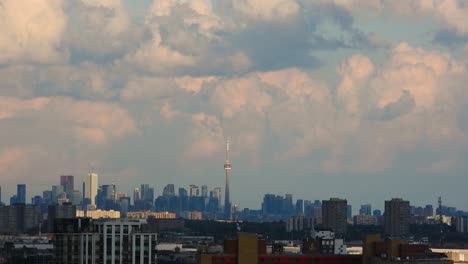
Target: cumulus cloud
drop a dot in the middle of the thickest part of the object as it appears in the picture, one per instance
(272, 10)
(451, 13)
(88, 121)
(31, 31)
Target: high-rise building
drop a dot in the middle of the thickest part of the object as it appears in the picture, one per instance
(68, 183)
(397, 217)
(109, 192)
(366, 209)
(169, 190)
(147, 193)
(194, 190)
(0, 194)
(288, 208)
(21, 194)
(136, 195)
(20, 218)
(91, 187)
(183, 192)
(349, 211)
(377, 213)
(104, 241)
(57, 190)
(428, 210)
(334, 215)
(204, 191)
(227, 194)
(217, 194)
(300, 207)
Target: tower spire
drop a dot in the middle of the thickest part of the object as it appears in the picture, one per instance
(227, 196)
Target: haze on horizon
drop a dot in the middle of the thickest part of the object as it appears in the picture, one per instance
(361, 99)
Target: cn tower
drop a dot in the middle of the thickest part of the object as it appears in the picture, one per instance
(227, 197)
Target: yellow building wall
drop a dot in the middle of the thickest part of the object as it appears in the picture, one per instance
(247, 249)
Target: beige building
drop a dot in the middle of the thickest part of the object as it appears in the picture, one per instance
(96, 214)
(149, 214)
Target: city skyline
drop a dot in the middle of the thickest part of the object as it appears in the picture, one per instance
(193, 190)
(361, 99)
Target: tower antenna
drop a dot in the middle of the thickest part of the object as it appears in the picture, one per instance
(227, 195)
(441, 221)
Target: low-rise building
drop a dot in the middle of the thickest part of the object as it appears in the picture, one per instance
(149, 214)
(97, 214)
(364, 220)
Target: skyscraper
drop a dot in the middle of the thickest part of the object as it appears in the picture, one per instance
(193, 190)
(204, 191)
(91, 187)
(217, 194)
(366, 209)
(334, 214)
(67, 181)
(21, 193)
(169, 190)
(397, 216)
(227, 195)
(136, 195)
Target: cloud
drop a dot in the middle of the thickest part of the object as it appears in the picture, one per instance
(88, 121)
(403, 106)
(31, 31)
(451, 13)
(265, 10)
(11, 158)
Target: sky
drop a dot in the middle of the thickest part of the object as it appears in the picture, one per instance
(359, 99)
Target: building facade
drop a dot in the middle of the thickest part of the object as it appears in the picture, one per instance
(334, 215)
(91, 187)
(110, 241)
(397, 218)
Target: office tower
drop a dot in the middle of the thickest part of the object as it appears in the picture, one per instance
(349, 211)
(288, 208)
(76, 198)
(147, 193)
(109, 192)
(183, 203)
(62, 211)
(194, 191)
(91, 187)
(136, 195)
(366, 209)
(68, 183)
(377, 213)
(227, 194)
(36, 200)
(217, 194)
(397, 216)
(300, 207)
(272, 204)
(183, 192)
(204, 191)
(334, 215)
(428, 210)
(169, 190)
(21, 194)
(56, 191)
(20, 218)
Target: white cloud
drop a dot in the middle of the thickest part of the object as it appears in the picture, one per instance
(31, 31)
(267, 10)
